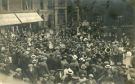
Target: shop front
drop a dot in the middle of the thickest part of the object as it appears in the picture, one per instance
(30, 21)
(8, 22)
(17, 23)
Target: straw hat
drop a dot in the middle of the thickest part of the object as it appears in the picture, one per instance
(91, 75)
(108, 66)
(33, 56)
(18, 70)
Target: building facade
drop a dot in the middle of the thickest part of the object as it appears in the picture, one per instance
(60, 12)
(54, 12)
(25, 6)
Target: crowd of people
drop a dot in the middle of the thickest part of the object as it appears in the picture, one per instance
(87, 57)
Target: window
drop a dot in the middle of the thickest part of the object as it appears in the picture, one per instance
(61, 17)
(4, 4)
(61, 3)
(41, 4)
(50, 4)
(50, 19)
(27, 4)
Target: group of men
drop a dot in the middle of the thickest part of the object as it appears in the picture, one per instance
(44, 58)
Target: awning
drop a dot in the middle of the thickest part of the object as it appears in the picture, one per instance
(29, 17)
(8, 19)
